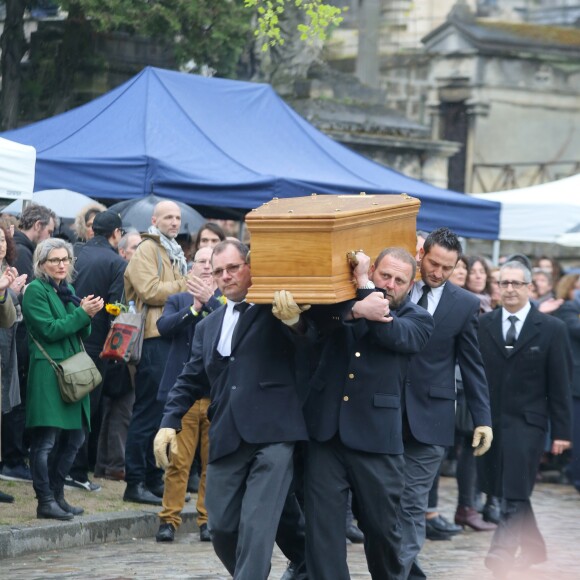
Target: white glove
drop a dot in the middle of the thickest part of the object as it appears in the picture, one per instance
(285, 309)
(482, 438)
(165, 437)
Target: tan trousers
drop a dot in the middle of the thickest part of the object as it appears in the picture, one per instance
(194, 429)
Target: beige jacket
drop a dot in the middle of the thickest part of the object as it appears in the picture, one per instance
(144, 285)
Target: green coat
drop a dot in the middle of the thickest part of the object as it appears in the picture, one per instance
(57, 328)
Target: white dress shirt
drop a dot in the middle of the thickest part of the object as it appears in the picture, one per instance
(521, 318)
(231, 317)
(433, 297)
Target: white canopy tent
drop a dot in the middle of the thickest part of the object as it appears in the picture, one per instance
(17, 165)
(541, 213)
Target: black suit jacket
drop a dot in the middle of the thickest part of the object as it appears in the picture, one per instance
(529, 385)
(356, 389)
(430, 387)
(569, 313)
(253, 391)
(178, 323)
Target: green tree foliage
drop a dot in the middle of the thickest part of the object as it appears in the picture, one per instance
(210, 32)
(320, 17)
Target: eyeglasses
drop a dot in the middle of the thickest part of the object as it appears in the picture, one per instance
(207, 261)
(57, 261)
(232, 269)
(516, 284)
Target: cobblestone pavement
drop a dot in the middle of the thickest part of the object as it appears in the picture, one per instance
(557, 509)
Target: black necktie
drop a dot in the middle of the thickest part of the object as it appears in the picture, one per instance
(510, 337)
(241, 307)
(424, 300)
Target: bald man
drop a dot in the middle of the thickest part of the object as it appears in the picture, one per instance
(157, 270)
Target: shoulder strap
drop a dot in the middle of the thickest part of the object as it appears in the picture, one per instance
(50, 360)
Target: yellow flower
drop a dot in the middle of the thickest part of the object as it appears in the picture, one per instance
(113, 309)
(222, 299)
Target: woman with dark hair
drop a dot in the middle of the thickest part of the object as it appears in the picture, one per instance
(9, 367)
(568, 289)
(56, 319)
(209, 234)
(479, 281)
(552, 266)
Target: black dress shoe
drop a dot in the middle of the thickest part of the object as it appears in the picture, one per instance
(491, 510)
(138, 493)
(5, 498)
(204, 533)
(165, 533)
(354, 534)
(442, 524)
(52, 511)
(434, 534)
(71, 509)
(291, 572)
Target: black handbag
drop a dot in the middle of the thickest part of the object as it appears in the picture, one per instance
(77, 375)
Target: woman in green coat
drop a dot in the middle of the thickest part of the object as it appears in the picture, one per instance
(58, 320)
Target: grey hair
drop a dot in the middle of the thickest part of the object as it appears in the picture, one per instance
(124, 241)
(517, 265)
(43, 251)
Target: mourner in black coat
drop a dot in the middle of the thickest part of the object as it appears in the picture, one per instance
(528, 369)
(243, 359)
(353, 413)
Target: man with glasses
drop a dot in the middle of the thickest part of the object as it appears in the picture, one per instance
(528, 366)
(99, 271)
(243, 357)
(157, 270)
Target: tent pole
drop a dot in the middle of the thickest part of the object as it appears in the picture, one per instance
(495, 255)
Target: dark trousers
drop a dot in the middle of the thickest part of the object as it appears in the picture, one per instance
(466, 473)
(575, 467)
(52, 452)
(246, 491)
(517, 529)
(422, 464)
(14, 438)
(147, 412)
(377, 484)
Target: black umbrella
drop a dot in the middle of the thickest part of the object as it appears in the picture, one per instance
(137, 213)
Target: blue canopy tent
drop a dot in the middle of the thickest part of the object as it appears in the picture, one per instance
(219, 143)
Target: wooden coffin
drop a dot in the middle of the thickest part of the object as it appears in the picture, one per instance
(301, 244)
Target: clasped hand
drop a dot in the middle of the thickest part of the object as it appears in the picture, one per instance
(91, 304)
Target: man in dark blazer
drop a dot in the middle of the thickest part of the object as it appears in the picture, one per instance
(182, 313)
(353, 414)
(529, 368)
(245, 362)
(429, 394)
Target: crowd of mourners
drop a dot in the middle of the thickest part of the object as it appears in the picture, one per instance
(185, 419)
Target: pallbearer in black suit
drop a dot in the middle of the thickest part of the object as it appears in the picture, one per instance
(243, 358)
(429, 411)
(529, 368)
(353, 413)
